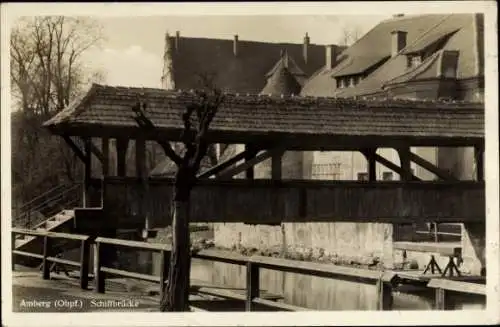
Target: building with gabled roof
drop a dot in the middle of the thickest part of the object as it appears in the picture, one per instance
(235, 65)
(408, 55)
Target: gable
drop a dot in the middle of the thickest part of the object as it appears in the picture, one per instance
(456, 32)
(241, 73)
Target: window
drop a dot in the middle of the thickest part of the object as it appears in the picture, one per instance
(414, 61)
(362, 176)
(387, 176)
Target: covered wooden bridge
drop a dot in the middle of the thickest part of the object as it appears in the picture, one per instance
(268, 126)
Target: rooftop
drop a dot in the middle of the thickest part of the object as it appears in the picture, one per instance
(107, 110)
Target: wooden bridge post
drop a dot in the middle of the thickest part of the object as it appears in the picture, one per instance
(442, 298)
(253, 284)
(13, 248)
(250, 153)
(87, 171)
(164, 263)
(479, 158)
(384, 285)
(405, 162)
(84, 264)
(121, 155)
(45, 262)
(371, 163)
(99, 277)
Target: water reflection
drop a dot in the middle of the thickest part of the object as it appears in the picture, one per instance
(319, 293)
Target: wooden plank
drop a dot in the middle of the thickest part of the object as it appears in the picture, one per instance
(430, 167)
(49, 234)
(129, 274)
(383, 161)
(133, 244)
(28, 254)
(252, 285)
(279, 305)
(317, 269)
(64, 261)
(223, 165)
(221, 256)
(458, 286)
(222, 293)
(74, 147)
(244, 166)
(445, 249)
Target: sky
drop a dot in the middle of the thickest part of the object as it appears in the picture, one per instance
(132, 52)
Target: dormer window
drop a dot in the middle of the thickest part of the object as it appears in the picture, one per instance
(414, 61)
(348, 81)
(342, 82)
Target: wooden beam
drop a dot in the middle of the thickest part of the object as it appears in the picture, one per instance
(479, 158)
(430, 167)
(242, 167)
(105, 156)
(76, 149)
(121, 156)
(383, 161)
(404, 158)
(276, 165)
(223, 165)
(87, 171)
(142, 174)
(140, 158)
(371, 163)
(251, 152)
(95, 150)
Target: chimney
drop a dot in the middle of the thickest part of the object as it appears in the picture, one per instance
(330, 56)
(177, 39)
(305, 47)
(398, 15)
(285, 58)
(235, 46)
(398, 42)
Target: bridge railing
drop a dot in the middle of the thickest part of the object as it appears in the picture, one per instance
(46, 257)
(444, 287)
(384, 281)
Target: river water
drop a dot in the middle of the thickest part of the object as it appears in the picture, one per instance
(319, 293)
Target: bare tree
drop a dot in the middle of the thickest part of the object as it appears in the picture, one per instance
(196, 119)
(350, 35)
(47, 72)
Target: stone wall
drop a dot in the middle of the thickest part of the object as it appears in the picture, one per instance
(363, 243)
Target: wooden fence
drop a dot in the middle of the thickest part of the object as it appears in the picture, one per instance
(384, 281)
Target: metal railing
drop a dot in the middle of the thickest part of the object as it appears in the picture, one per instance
(433, 232)
(42, 207)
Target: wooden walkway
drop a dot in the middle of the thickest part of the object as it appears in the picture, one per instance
(30, 293)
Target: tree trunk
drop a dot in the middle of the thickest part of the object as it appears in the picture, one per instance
(176, 294)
